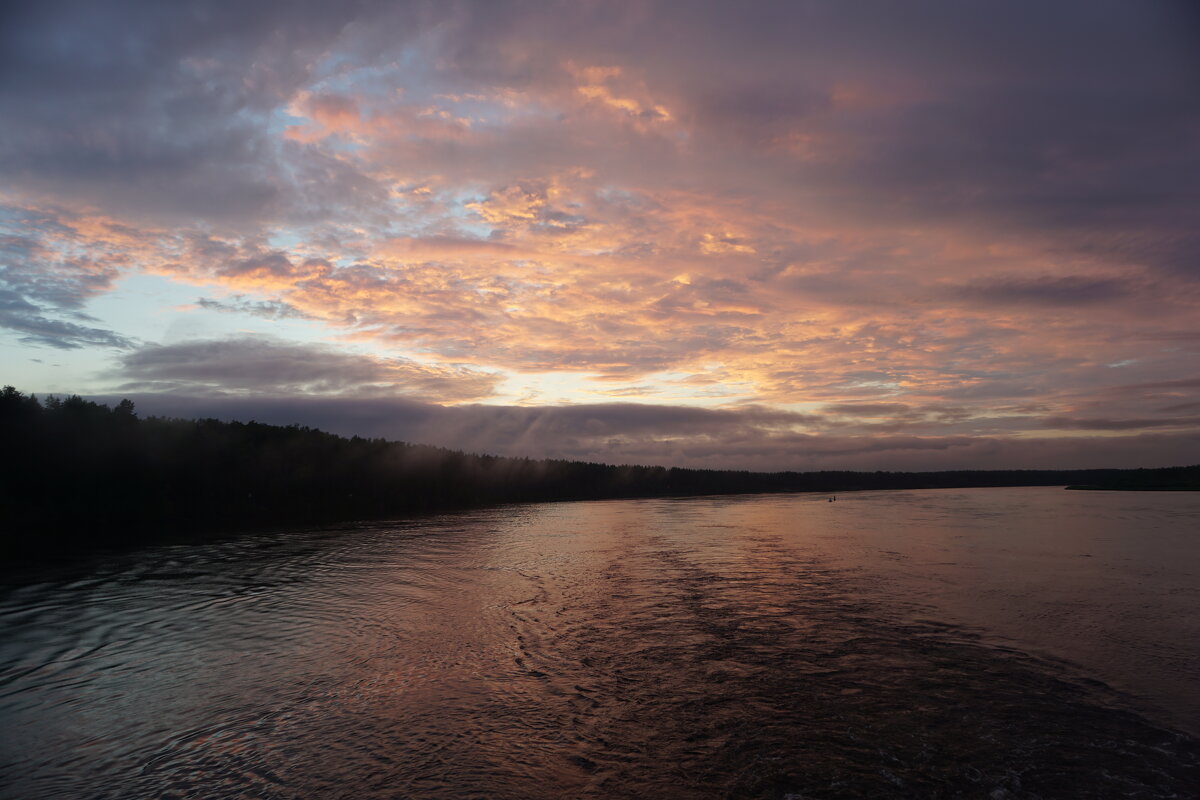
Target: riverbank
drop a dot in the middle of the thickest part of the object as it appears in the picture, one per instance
(83, 476)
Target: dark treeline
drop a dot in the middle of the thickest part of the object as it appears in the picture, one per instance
(78, 474)
(1165, 479)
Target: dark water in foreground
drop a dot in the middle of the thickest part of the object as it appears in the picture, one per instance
(988, 643)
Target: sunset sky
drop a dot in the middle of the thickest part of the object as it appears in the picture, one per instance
(765, 235)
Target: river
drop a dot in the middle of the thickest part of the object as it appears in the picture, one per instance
(992, 643)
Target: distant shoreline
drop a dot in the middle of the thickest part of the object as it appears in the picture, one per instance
(1134, 488)
(84, 477)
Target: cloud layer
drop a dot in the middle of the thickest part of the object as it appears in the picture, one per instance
(265, 368)
(932, 220)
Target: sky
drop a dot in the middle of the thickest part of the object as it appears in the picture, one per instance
(752, 235)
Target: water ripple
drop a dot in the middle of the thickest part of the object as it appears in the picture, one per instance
(740, 648)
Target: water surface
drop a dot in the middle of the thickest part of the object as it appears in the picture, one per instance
(955, 643)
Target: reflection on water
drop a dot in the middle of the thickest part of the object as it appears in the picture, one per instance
(943, 643)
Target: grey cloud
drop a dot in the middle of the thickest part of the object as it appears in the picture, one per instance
(750, 438)
(266, 366)
(11, 302)
(1171, 336)
(61, 285)
(1178, 383)
(758, 113)
(1111, 424)
(1193, 406)
(33, 327)
(267, 309)
(1178, 394)
(1045, 291)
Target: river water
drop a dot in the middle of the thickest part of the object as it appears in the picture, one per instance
(990, 643)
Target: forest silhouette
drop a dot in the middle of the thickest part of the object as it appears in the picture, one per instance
(78, 475)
